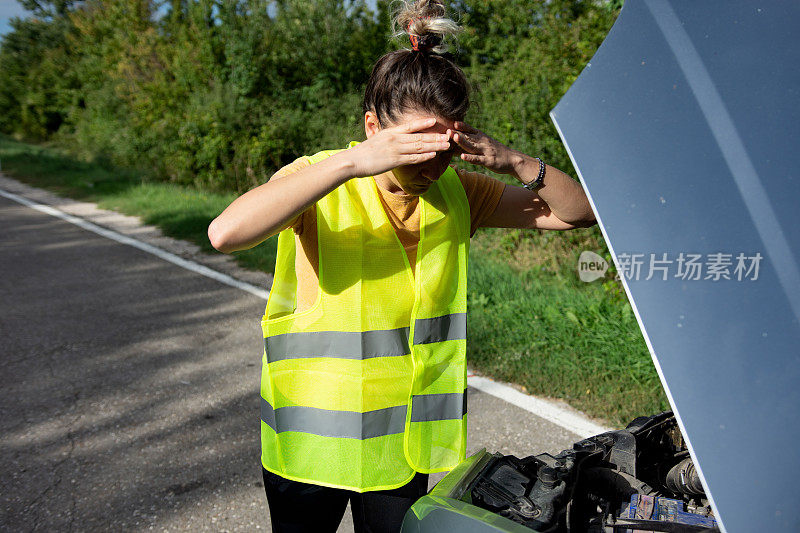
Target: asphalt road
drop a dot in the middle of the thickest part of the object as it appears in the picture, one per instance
(129, 393)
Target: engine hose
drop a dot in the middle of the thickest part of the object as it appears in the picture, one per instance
(684, 479)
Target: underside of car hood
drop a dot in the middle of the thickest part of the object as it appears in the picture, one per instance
(684, 129)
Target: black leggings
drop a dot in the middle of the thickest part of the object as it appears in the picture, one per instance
(296, 507)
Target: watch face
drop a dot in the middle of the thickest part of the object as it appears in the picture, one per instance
(534, 184)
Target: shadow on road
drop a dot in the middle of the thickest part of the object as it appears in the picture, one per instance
(129, 388)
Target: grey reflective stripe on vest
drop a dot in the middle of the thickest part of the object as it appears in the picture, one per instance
(364, 344)
(354, 425)
(341, 424)
(432, 407)
(339, 344)
(441, 328)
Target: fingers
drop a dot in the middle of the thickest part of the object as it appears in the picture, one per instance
(475, 159)
(424, 142)
(423, 137)
(463, 126)
(416, 125)
(413, 159)
(455, 149)
(465, 143)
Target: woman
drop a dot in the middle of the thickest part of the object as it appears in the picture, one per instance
(364, 372)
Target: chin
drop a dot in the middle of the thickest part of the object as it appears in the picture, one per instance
(418, 189)
(414, 190)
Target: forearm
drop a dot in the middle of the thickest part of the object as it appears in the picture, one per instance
(264, 211)
(565, 196)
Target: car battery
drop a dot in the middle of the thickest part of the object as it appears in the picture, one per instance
(657, 509)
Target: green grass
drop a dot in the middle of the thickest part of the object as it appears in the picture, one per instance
(560, 339)
(181, 212)
(531, 321)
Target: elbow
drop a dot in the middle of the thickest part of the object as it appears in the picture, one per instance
(588, 222)
(586, 219)
(220, 238)
(580, 221)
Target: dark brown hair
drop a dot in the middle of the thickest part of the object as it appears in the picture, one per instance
(426, 79)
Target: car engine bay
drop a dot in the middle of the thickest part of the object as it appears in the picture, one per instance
(638, 479)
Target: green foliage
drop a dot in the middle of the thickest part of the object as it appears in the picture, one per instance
(221, 93)
(34, 77)
(216, 93)
(522, 70)
(522, 56)
(181, 212)
(567, 341)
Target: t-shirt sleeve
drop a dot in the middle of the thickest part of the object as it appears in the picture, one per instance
(483, 195)
(299, 163)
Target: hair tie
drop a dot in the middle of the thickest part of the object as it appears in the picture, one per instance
(424, 42)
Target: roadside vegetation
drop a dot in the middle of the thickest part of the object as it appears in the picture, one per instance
(170, 109)
(180, 211)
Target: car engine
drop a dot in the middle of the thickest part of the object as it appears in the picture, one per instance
(638, 479)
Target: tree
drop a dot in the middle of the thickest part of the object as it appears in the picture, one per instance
(49, 8)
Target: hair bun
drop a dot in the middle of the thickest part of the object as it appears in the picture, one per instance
(426, 23)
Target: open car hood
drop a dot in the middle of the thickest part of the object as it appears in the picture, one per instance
(685, 131)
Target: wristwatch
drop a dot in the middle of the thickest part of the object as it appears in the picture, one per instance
(535, 184)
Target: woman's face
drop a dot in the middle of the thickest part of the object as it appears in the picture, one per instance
(416, 179)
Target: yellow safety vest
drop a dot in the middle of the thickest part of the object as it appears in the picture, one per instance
(346, 400)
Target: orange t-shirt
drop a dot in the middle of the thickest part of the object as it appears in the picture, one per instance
(483, 194)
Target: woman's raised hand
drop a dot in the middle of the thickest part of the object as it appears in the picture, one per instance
(396, 146)
(480, 149)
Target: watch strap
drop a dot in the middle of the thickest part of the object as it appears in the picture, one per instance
(535, 184)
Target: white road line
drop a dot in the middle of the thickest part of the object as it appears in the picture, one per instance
(559, 416)
(124, 239)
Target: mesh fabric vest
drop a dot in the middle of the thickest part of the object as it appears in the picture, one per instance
(368, 385)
